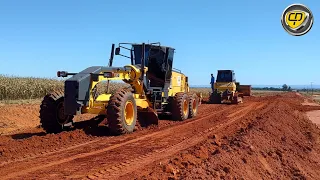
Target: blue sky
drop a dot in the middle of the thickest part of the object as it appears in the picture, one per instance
(37, 38)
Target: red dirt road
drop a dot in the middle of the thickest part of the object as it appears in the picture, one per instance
(179, 150)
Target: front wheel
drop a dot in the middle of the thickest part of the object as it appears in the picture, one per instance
(52, 117)
(122, 112)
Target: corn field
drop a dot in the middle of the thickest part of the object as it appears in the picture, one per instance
(20, 88)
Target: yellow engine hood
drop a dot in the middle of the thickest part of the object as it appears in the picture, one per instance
(222, 86)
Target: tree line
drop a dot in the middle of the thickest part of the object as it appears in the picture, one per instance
(285, 87)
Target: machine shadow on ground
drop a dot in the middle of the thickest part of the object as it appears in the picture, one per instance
(20, 136)
(91, 127)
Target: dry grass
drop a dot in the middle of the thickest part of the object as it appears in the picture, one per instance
(317, 99)
(314, 95)
(21, 101)
(206, 92)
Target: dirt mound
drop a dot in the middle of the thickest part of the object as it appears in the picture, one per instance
(15, 146)
(17, 118)
(281, 143)
(13, 117)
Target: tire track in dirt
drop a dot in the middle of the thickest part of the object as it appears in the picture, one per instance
(27, 156)
(49, 152)
(78, 145)
(154, 170)
(11, 173)
(131, 165)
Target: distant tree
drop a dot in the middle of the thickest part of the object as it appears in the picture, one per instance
(285, 87)
(289, 88)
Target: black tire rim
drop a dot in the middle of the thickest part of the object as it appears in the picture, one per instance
(61, 117)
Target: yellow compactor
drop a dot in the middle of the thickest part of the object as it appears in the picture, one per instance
(228, 90)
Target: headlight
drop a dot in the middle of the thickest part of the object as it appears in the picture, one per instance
(62, 73)
(108, 74)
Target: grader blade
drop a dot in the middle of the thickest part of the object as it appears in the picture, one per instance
(147, 117)
(215, 98)
(236, 100)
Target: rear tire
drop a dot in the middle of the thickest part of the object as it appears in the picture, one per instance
(122, 112)
(52, 118)
(193, 105)
(180, 106)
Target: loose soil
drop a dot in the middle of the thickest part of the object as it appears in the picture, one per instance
(267, 137)
(24, 118)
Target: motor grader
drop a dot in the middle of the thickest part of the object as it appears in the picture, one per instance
(227, 90)
(154, 88)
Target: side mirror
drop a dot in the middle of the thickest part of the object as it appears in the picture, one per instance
(117, 51)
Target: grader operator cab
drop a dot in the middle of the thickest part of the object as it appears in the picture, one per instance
(227, 89)
(154, 87)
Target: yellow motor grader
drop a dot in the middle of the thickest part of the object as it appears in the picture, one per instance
(154, 88)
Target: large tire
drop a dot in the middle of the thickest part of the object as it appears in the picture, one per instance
(52, 118)
(122, 112)
(193, 105)
(180, 107)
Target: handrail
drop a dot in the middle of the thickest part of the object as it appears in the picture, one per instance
(176, 69)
